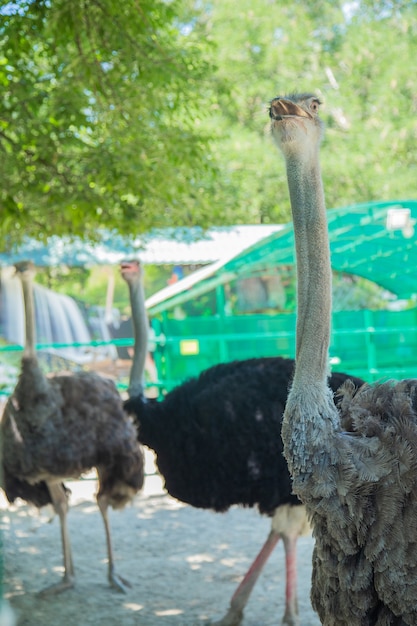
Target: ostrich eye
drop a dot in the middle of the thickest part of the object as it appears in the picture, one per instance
(314, 105)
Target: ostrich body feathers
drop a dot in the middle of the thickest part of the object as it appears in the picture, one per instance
(217, 437)
(57, 428)
(372, 521)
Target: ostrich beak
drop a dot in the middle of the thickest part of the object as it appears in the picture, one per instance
(129, 265)
(281, 108)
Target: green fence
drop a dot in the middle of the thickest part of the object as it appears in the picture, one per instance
(371, 344)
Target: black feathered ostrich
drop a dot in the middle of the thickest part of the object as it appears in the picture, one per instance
(217, 440)
(60, 427)
(355, 468)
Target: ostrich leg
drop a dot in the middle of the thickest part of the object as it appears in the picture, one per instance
(115, 580)
(60, 503)
(291, 604)
(288, 522)
(238, 602)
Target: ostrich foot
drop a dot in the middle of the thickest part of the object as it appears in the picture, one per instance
(233, 617)
(66, 583)
(118, 583)
(291, 619)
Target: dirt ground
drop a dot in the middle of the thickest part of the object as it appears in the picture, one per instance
(183, 563)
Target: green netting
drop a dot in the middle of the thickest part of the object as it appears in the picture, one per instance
(371, 344)
(361, 243)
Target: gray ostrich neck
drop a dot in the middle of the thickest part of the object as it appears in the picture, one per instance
(313, 269)
(29, 302)
(141, 330)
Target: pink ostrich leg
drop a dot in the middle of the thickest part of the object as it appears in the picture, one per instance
(289, 522)
(240, 597)
(291, 603)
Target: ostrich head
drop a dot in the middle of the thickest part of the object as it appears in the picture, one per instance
(131, 271)
(25, 269)
(295, 122)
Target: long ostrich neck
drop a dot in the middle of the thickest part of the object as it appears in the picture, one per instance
(313, 269)
(29, 302)
(141, 331)
(305, 433)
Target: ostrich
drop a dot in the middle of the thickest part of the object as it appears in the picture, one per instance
(58, 428)
(217, 439)
(355, 466)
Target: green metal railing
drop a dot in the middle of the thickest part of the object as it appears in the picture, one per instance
(45, 347)
(77, 344)
(371, 344)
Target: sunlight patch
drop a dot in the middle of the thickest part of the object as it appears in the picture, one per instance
(133, 607)
(195, 560)
(200, 558)
(231, 562)
(169, 612)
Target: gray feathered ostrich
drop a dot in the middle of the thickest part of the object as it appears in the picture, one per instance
(60, 427)
(355, 468)
(217, 439)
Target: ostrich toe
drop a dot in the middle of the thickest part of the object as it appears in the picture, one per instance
(233, 617)
(118, 583)
(67, 582)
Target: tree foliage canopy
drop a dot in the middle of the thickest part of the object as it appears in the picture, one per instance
(358, 57)
(132, 115)
(100, 116)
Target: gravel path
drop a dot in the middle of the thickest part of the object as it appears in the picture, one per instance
(183, 563)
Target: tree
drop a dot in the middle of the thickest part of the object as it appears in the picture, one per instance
(99, 119)
(135, 115)
(357, 56)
